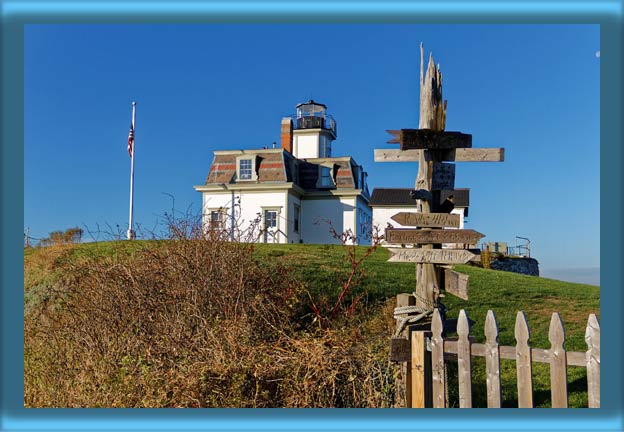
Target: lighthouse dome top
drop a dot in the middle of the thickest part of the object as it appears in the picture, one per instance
(311, 109)
(313, 115)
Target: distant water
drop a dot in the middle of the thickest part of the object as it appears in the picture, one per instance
(590, 275)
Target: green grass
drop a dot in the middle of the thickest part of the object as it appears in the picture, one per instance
(323, 267)
(503, 292)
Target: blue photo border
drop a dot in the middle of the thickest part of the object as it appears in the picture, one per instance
(17, 14)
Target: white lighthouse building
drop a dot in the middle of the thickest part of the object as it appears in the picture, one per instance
(290, 194)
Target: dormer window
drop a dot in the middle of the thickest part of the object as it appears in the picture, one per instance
(325, 177)
(246, 168)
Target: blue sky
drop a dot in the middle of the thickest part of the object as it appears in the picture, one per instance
(532, 89)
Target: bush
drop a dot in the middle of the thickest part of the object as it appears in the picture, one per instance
(194, 322)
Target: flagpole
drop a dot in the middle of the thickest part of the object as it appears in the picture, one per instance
(130, 231)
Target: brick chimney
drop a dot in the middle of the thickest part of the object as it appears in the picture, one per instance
(287, 134)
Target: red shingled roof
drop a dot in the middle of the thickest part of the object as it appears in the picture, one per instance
(275, 166)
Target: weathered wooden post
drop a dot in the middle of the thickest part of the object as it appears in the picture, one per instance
(432, 117)
(431, 146)
(403, 396)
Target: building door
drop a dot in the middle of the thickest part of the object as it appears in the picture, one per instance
(270, 226)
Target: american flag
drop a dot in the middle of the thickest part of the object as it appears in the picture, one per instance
(130, 140)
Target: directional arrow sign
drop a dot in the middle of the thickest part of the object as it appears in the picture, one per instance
(427, 220)
(430, 139)
(411, 236)
(430, 256)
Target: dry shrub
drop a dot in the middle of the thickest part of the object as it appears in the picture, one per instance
(195, 322)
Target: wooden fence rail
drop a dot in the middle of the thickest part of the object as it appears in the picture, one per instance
(428, 387)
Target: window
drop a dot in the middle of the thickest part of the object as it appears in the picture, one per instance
(324, 147)
(365, 223)
(216, 219)
(271, 229)
(325, 180)
(296, 218)
(270, 219)
(244, 169)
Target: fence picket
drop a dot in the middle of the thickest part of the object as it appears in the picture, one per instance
(421, 376)
(464, 361)
(592, 338)
(404, 388)
(558, 363)
(523, 362)
(429, 371)
(492, 361)
(437, 359)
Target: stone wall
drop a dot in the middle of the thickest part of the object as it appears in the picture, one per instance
(527, 266)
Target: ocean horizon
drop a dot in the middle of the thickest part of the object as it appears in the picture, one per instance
(586, 275)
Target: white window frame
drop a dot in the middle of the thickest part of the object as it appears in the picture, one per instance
(278, 211)
(222, 211)
(297, 218)
(254, 173)
(319, 182)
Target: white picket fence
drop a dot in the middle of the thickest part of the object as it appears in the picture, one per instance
(429, 351)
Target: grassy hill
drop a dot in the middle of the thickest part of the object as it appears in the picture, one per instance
(309, 273)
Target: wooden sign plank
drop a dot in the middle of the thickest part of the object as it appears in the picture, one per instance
(456, 155)
(427, 220)
(416, 236)
(430, 256)
(456, 283)
(475, 155)
(443, 176)
(396, 134)
(431, 139)
(400, 350)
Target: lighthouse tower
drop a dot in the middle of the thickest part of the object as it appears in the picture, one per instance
(310, 134)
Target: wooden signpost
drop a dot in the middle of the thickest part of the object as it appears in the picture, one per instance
(415, 236)
(431, 146)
